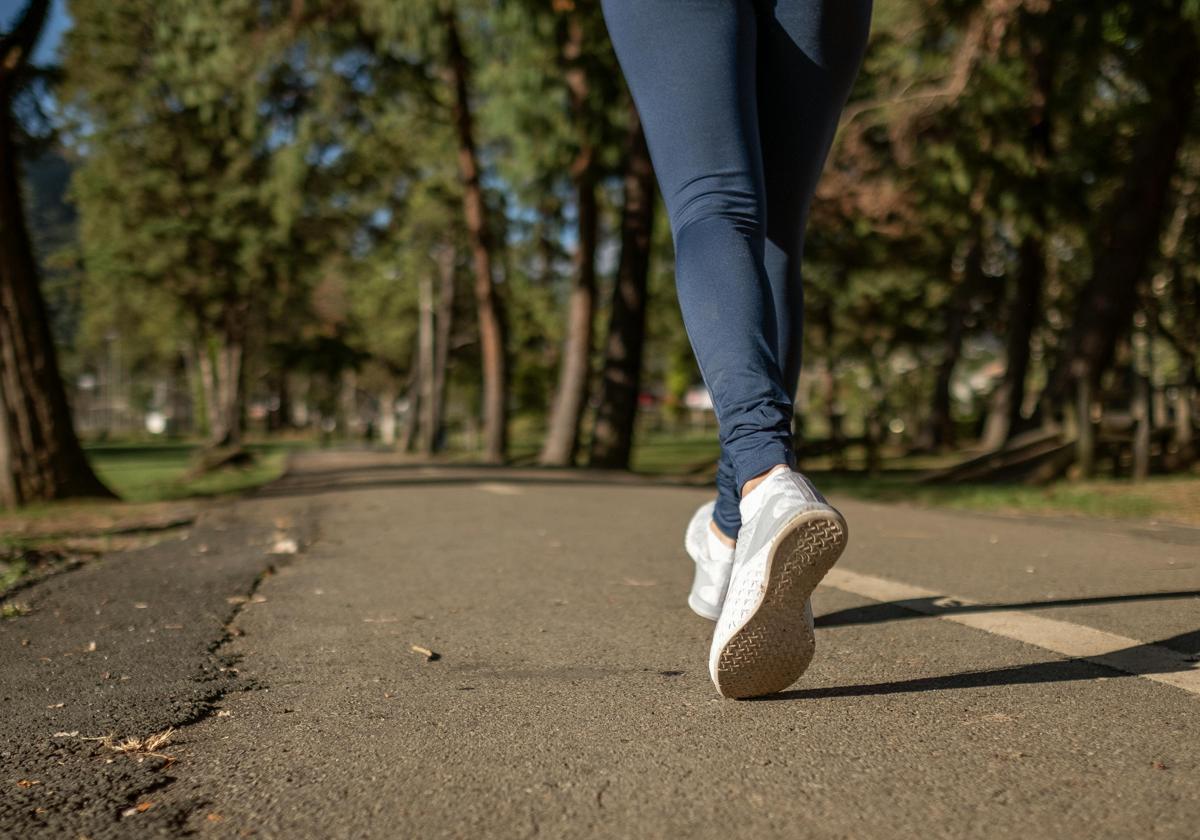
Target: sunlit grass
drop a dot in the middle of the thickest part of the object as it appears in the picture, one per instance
(161, 472)
(1173, 498)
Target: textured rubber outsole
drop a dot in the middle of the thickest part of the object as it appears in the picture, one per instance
(775, 643)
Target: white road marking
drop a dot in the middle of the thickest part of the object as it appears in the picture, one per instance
(1121, 653)
(498, 489)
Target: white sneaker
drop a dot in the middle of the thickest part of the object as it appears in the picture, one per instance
(790, 538)
(714, 562)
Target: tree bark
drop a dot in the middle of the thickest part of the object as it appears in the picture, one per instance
(1085, 440)
(44, 459)
(574, 373)
(941, 420)
(409, 427)
(230, 390)
(348, 419)
(387, 415)
(1004, 417)
(1141, 424)
(208, 390)
(488, 301)
(612, 438)
(426, 431)
(446, 259)
(219, 362)
(1128, 235)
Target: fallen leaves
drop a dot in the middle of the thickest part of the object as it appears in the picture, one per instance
(27, 783)
(13, 609)
(429, 655)
(245, 599)
(284, 544)
(148, 746)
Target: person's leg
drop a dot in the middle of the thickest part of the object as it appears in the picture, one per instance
(809, 52)
(691, 68)
(726, 515)
(789, 536)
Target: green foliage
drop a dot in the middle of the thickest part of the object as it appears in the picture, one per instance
(289, 171)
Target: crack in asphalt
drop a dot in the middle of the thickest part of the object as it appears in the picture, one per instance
(130, 643)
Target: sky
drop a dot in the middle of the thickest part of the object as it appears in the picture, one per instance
(56, 24)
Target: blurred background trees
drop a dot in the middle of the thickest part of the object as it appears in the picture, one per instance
(434, 226)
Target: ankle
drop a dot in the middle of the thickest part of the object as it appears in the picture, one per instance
(719, 534)
(749, 486)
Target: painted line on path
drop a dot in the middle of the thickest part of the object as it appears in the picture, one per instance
(1153, 662)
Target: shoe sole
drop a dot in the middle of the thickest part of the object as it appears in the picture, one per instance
(693, 544)
(702, 608)
(775, 644)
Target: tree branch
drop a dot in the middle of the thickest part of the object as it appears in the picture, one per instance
(16, 45)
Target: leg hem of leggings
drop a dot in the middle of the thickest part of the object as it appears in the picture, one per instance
(724, 529)
(762, 462)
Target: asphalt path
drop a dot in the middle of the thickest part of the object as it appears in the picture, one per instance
(976, 676)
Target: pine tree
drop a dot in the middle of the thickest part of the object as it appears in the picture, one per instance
(40, 456)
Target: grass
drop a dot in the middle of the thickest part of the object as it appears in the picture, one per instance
(13, 609)
(154, 481)
(13, 563)
(155, 472)
(152, 472)
(1172, 498)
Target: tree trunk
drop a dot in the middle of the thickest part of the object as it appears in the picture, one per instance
(574, 373)
(426, 432)
(612, 438)
(941, 421)
(219, 362)
(387, 415)
(446, 259)
(1085, 440)
(8, 482)
(488, 301)
(408, 429)
(1183, 434)
(208, 391)
(348, 420)
(1141, 425)
(1004, 417)
(1128, 236)
(43, 458)
(283, 419)
(230, 389)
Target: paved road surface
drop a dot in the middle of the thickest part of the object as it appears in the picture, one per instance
(975, 676)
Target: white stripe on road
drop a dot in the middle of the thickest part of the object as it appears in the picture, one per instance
(498, 489)
(1121, 653)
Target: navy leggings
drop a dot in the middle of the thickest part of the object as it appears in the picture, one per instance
(739, 100)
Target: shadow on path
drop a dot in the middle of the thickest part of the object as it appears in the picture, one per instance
(1064, 670)
(935, 607)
